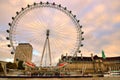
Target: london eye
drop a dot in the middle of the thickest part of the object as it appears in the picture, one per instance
(37, 23)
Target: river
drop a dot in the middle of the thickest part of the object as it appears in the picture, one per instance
(94, 78)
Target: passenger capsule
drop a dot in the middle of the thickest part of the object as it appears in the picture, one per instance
(9, 45)
(59, 5)
(82, 38)
(82, 32)
(81, 45)
(7, 38)
(53, 3)
(13, 18)
(12, 52)
(7, 31)
(17, 13)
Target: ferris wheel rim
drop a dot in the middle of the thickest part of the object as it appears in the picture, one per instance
(50, 5)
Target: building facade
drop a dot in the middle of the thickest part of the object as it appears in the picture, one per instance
(23, 52)
(93, 64)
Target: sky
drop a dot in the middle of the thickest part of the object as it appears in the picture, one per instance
(100, 20)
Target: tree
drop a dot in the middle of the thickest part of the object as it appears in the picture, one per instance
(10, 65)
(20, 65)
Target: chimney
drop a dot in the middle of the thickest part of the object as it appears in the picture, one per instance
(92, 56)
(81, 56)
(66, 56)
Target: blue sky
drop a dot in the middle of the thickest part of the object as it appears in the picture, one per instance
(100, 20)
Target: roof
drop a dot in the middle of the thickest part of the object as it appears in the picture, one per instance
(90, 59)
(24, 44)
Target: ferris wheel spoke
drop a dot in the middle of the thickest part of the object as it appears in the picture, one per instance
(37, 23)
(67, 37)
(58, 46)
(63, 33)
(40, 20)
(61, 43)
(31, 26)
(61, 26)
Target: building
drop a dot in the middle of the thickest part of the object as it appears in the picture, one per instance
(3, 68)
(23, 52)
(93, 64)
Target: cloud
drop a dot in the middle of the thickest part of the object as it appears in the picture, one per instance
(100, 27)
(100, 20)
(112, 48)
(116, 19)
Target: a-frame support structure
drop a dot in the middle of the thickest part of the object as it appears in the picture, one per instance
(46, 44)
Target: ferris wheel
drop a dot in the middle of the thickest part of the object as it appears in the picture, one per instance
(37, 23)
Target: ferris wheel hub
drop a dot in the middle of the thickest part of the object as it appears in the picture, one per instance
(47, 32)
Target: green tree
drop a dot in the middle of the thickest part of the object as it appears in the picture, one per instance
(11, 65)
(20, 65)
